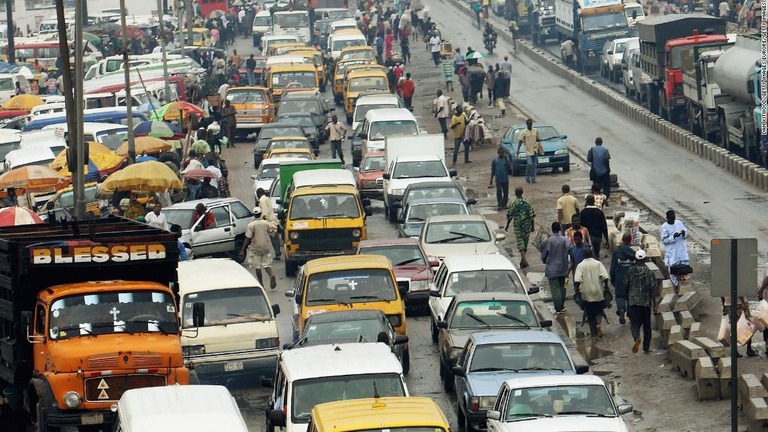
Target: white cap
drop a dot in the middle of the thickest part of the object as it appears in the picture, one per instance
(256, 211)
(640, 255)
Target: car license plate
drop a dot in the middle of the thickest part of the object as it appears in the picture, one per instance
(543, 160)
(92, 419)
(233, 366)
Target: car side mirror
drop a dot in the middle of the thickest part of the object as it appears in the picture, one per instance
(624, 409)
(609, 52)
(363, 135)
(400, 339)
(500, 237)
(366, 202)
(493, 415)
(276, 309)
(434, 293)
(398, 204)
(471, 201)
(533, 290)
(385, 176)
(582, 369)
(281, 214)
(368, 211)
(277, 418)
(545, 323)
(452, 173)
(199, 227)
(356, 169)
(267, 382)
(458, 371)
(441, 324)
(254, 177)
(290, 293)
(434, 262)
(563, 136)
(198, 314)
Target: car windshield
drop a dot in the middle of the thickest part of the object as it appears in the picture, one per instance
(294, 79)
(339, 44)
(474, 281)
(373, 163)
(381, 129)
(368, 83)
(308, 393)
(487, 314)
(262, 21)
(227, 306)
(288, 144)
(181, 217)
(420, 212)
(560, 400)
(432, 192)
(303, 120)
(455, 232)
(419, 169)
(361, 330)
(269, 171)
(358, 54)
(618, 48)
(321, 206)
(350, 286)
(362, 110)
(112, 312)
(67, 199)
(112, 138)
(545, 133)
(400, 255)
(247, 96)
(520, 356)
(271, 132)
(295, 106)
(339, 14)
(291, 19)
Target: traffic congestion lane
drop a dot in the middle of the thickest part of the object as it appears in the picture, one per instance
(705, 197)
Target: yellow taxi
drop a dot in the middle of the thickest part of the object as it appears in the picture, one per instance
(281, 48)
(286, 143)
(291, 153)
(254, 107)
(278, 76)
(390, 414)
(338, 76)
(361, 80)
(201, 37)
(358, 52)
(317, 59)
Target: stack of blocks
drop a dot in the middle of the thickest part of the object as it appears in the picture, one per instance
(752, 400)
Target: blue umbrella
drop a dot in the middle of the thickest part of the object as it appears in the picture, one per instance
(157, 129)
(145, 158)
(145, 107)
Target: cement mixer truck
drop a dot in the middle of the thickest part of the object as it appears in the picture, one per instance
(737, 74)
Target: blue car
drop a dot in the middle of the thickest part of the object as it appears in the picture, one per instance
(489, 358)
(555, 155)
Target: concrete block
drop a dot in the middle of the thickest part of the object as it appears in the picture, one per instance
(687, 301)
(684, 318)
(667, 288)
(667, 303)
(707, 382)
(763, 379)
(714, 349)
(694, 331)
(665, 321)
(756, 413)
(684, 286)
(675, 334)
(683, 355)
(750, 387)
(656, 271)
(724, 373)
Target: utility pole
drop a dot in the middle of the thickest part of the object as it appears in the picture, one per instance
(78, 177)
(128, 98)
(190, 19)
(160, 12)
(10, 28)
(84, 10)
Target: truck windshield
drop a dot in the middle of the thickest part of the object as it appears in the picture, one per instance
(350, 286)
(227, 306)
(294, 79)
(601, 22)
(308, 393)
(368, 83)
(291, 20)
(324, 206)
(112, 312)
(381, 129)
(339, 44)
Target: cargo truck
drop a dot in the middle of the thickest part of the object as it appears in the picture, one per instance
(86, 313)
(700, 91)
(663, 40)
(590, 24)
(543, 25)
(517, 11)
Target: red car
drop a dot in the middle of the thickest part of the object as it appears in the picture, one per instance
(369, 175)
(410, 263)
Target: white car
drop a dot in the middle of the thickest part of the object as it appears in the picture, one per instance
(266, 174)
(556, 403)
(444, 236)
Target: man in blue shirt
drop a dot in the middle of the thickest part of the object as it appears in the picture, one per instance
(600, 159)
(500, 170)
(555, 254)
(576, 252)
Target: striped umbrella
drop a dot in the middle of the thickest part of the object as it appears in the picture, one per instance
(157, 129)
(12, 216)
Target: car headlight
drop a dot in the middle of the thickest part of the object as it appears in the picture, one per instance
(72, 399)
(267, 343)
(264, 112)
(356, 233)
(294, 235)
(561, 151)
(395, 320)
(398, 191)
(487, 402)
(454, 353)
(521, 154)
(339, 82)
(352, 100)
(192, 350)
(422, 285)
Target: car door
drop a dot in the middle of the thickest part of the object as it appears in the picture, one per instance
(437, 284)
(443, 335)
(242, 217)
(296, 301)
(217, 239)
(461, 382)
(502, 400)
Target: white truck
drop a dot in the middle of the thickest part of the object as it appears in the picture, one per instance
(412, 159)
(292, 23)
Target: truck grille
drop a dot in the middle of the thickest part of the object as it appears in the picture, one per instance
(325, 239)
(147, 360)
(136, 360)
(103, 361)
(110, 388)
(548, 21)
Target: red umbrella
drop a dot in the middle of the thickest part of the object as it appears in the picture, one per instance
(12, 216)
(131, 32)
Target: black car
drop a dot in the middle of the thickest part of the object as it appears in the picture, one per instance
(412, 217)
(286, 128)
(308, 123)
(434, 189)
(307, 102)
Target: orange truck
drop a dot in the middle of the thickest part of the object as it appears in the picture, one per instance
(86, 313)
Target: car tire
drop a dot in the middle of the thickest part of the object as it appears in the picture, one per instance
(406, 361)
(566, 168)
(447, 378)
(392, 214)
(433, 331)
(290, 268)
(461, 419)
(516, 171)
(238, 245)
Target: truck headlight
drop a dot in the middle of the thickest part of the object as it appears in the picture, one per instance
(398, 192)
(267, 343)
(521, 154)
(422, 285)
(561, 152)
(294, 235)
(356, 233)
(72, 399)
(193, 350)
(352, 101)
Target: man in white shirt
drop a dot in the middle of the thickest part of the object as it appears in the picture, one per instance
(442, 113)
(212, 167)
(157, 219)
(434, 43)
(591, 280)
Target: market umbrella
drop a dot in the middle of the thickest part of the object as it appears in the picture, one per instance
(101, 162)
(217, 14)
(476, 55)
(199, 174)
(151, 176)
(92, 38)
(32, 178)
(131, 32)
(174, 110)
(157, 129)
(12, 216)
(23, 102)
(144, 144)
(145, 158)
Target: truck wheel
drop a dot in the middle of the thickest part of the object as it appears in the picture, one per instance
(566, 168)
(290, 268)
(724, 141)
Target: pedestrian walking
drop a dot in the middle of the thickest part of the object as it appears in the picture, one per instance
(447, 74)
(599, 196)
(229, 122)
(522, 215)
(464, 83)
(442, 113)
(156, 218)
(501, 85)
(264, 202)
(554, 254)
(593, 219)
(407, 89)
(458, 125)
(392, 79)
(566, 52)
(577, 228)
(434, 47)
(500, 170)
(567, 206)
(476, 81)
(490, 78)
(673, 235)
(257, 247)
(600, 172)
(459, 61)
(742, 307)
(591, 282)
(405, 49)
(640, 284)
(336, 132)
(532, 141)
(250, 66)
(762, 294)
(622, 259)
(576, 253)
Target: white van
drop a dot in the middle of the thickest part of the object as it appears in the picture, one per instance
(346, 23)
(292, 59)
(194, 408)
(343, 39)
(46, 27)
(374, 101)
(109, 134)
(262, 25)
(267, 41)
(328, 373)
(43, 138)
(39, 155)
(386, 122)
(229, 328)
(47, 108)
(8, 85)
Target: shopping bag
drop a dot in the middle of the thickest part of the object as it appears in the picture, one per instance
(744, 330)
(724, 335)
(539, 239)
(761, 314)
